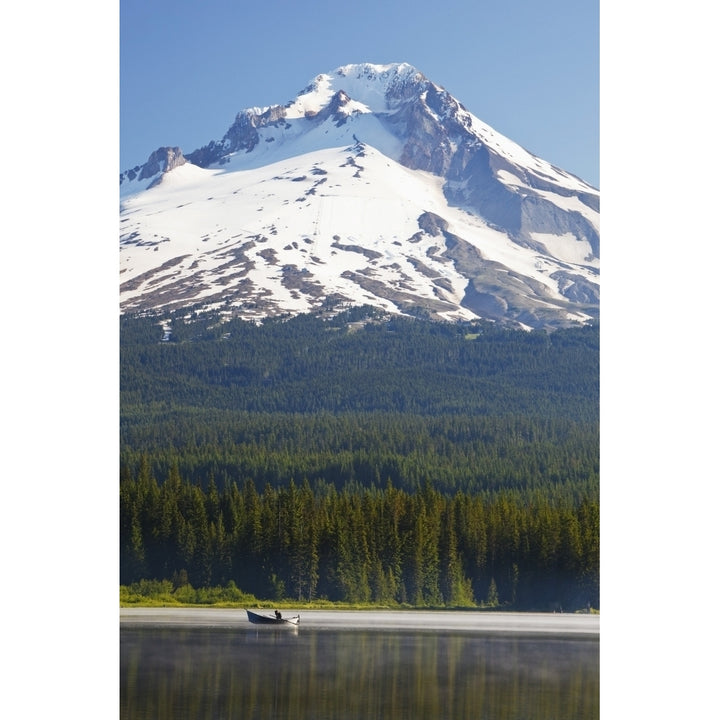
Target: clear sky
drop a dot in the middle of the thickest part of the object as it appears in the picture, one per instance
(528, 68)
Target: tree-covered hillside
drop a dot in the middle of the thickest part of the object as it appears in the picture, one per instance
(307, 365)
(375, 408)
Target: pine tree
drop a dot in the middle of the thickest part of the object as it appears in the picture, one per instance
(493, 599)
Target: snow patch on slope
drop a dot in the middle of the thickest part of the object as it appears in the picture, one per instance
(566, 247)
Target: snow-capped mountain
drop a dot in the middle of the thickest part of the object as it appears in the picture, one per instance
(374, 186)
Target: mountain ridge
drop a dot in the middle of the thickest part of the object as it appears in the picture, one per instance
(363, 157)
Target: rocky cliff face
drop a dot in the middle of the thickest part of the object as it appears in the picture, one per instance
(242, 136)
(162, 160)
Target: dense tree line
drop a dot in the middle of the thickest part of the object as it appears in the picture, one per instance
(459, 452)
(520, 549)
(401, 460)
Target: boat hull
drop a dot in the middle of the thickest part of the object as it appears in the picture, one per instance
(258, 619)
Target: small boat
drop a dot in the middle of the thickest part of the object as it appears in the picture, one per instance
(270, 620)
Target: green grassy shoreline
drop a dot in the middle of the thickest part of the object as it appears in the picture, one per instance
(155, 594)
(148, 595)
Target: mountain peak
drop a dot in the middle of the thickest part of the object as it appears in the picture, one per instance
(329, 195)
(385, 75)
(366, 83)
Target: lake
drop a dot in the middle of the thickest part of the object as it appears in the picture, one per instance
(212, 663)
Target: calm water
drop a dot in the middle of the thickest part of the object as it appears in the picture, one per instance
(221, 666)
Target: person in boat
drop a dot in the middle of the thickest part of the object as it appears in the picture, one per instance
(278, 615)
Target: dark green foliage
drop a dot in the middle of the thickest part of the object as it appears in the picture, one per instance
(307, 365)
(473, 453)
(383, 546)
(400, 460)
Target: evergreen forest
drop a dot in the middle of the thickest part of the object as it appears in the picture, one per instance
(364, 458)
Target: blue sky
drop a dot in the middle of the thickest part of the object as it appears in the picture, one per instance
(528, 68)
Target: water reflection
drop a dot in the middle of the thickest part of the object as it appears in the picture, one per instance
(288, 673)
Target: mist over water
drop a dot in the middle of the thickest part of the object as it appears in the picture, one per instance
(330, 669)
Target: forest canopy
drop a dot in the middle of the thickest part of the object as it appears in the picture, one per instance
(451, 429)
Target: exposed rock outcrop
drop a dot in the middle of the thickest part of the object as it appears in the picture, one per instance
(162, 160)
